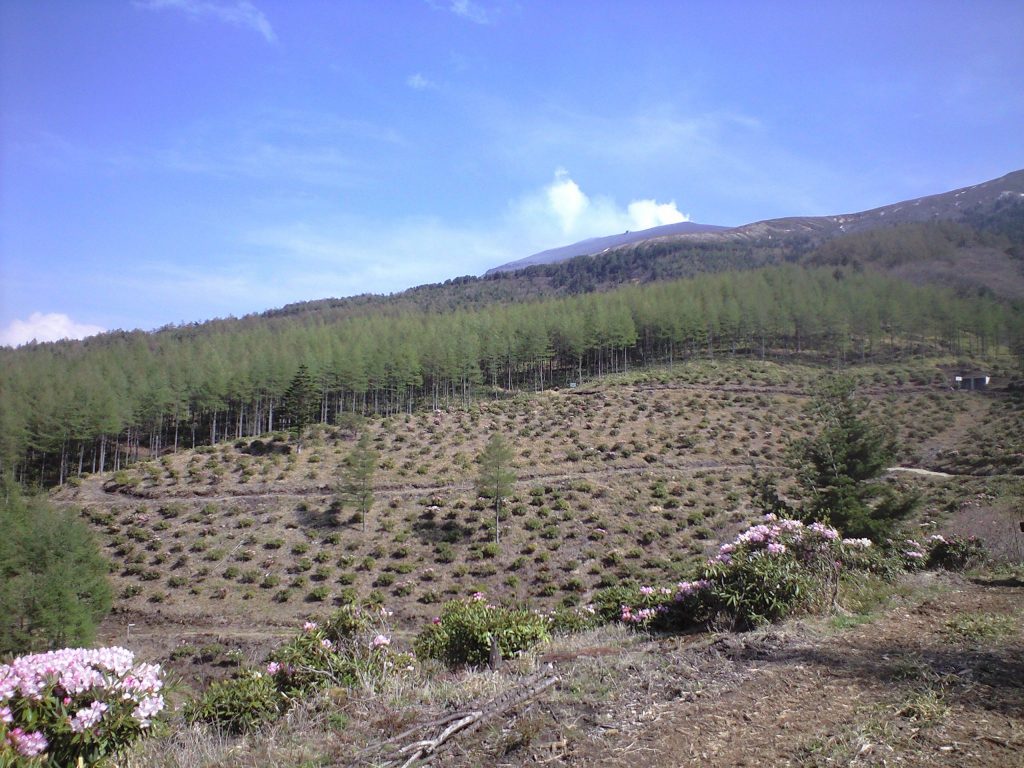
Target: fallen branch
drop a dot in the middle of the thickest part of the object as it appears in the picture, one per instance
(423, 750)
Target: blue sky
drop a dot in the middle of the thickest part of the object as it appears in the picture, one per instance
(166, 161)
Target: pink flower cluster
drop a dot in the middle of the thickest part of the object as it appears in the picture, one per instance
(27, 744)
(75, 671)
(628, 615)
(776, 536)
(88, 682)
(857, 543)
(685, 589)
(87, 717)
(914, 550)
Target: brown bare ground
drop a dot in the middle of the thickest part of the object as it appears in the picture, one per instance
(902, 690)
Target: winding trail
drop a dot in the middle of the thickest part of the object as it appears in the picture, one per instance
(93, 492)
(925, 472)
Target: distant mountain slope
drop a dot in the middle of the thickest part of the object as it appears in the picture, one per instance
(597, 244)
(961, 205)
(971, 239)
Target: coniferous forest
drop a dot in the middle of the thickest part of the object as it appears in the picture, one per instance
(70, 408)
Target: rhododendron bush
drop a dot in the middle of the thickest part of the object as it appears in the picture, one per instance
(75, 706)
(767, 572)
(351, 648)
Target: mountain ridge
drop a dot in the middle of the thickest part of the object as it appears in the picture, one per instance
(594, 245)
(955, 205)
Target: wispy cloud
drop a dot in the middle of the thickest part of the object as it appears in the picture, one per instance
(308, 148)
(346, 255)
(301, 147)
(736, 156)
(470, 10)
(52, 326)
(240, 13)
(309, 257)
(420, 83)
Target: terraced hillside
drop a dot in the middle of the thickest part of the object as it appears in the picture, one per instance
(631, 478)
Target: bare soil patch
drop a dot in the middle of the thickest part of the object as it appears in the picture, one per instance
(910, 688)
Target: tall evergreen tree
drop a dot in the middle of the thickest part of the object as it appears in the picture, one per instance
(496, 476)
(839, 467)
(301, 403)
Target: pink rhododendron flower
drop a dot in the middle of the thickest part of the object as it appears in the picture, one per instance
(27, 744)
(857, 543)
(87, 717)
(148, 708)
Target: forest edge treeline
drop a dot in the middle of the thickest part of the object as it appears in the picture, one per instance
(70, 408)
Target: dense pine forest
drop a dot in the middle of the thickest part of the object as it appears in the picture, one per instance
(79, 407)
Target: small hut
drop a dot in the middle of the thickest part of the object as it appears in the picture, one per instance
(970, 380)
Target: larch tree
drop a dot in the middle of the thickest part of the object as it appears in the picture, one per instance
(496, 476)
(53, 579)
(357, 477)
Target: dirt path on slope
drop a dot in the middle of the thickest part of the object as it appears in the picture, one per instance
(92, 492)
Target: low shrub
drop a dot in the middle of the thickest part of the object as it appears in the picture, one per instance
(239, 705)
(567, 621)
(465, 630)
(954, 553)
(770, 571)
(349, 648)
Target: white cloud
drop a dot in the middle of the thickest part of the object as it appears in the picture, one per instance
(563, 212)
(650, 213)
(49, 327)
(419, 83)
(240, 13)
(566, 200)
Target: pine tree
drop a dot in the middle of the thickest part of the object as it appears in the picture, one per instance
(496, 476)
